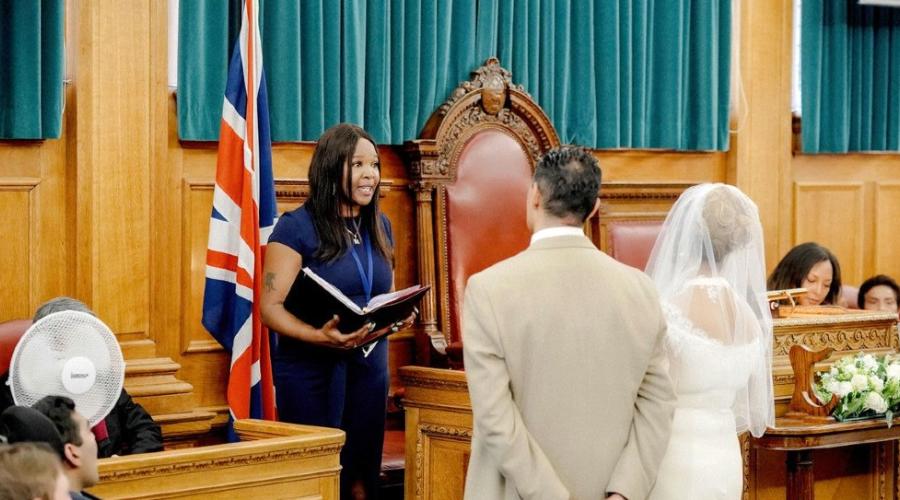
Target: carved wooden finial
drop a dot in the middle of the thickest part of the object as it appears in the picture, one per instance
(493, 80)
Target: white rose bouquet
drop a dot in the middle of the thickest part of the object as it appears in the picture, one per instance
(867, 387)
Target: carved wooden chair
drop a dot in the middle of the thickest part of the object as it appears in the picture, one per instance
(471, 169)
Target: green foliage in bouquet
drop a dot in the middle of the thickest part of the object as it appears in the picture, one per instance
(867, 386)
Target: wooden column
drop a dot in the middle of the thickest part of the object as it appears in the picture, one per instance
(113, 162)
(119, 157)
(428, 314)
(760, 157)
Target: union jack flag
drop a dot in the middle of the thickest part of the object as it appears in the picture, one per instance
(242, 217)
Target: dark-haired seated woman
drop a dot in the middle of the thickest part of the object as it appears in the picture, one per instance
(811, 266)
(879, 293)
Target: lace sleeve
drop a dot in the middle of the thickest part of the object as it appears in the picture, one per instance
(703, 309)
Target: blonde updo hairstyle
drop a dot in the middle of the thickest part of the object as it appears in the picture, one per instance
(728, 220)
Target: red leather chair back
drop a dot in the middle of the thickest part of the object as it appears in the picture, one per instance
(632, 241)
(10, 333)
(485, 210)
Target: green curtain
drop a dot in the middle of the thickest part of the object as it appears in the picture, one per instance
(32, 68)
(609, 73)
(850, 68)
(619, 73)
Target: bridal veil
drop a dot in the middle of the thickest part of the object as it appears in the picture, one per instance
(709, 268)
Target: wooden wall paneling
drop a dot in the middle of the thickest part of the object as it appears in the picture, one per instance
(886, 255)
(830, 214)
(17, 228)
(32, 186)
(197, 204)
(880, 175)
(645, 166)
(34, 226)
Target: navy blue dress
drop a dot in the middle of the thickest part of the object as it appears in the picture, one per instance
(319, 385)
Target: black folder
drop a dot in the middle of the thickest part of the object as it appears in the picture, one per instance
(314, 300)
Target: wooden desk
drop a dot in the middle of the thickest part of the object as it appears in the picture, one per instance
(799, 437)
(438, 433)
(274, 460)
(871, 331)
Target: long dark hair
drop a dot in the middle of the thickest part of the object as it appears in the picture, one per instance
(327, 192)
(795, 266)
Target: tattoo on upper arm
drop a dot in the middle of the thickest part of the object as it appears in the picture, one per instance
(270, 281)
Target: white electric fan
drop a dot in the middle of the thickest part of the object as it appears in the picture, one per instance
(72, 354)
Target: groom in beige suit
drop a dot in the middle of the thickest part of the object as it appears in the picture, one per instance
(563, 356)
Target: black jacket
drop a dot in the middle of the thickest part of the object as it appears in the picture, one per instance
(131, 430)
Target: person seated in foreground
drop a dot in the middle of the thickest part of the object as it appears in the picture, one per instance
(21, 424)
(810, 266)
(31, 471)
(878, 293)
(79, 446)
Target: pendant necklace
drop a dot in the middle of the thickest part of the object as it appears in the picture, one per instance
(355, 233)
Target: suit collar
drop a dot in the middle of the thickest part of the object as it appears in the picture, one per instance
(556, 231)
(580, 241)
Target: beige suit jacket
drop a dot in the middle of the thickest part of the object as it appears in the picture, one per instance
(568, 381)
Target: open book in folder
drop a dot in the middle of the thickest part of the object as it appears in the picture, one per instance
(315, 301)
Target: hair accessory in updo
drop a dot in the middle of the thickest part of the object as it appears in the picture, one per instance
(727, 220)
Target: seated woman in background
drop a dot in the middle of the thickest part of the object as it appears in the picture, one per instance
(879, 293)
(811, 266)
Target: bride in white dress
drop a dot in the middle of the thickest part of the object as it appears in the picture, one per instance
(709, 269)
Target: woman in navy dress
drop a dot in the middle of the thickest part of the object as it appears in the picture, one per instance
(321, 376)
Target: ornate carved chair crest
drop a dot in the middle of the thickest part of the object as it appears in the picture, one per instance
(471, 169)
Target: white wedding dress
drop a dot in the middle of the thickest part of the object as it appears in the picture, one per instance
(703, 460)
(708, 266)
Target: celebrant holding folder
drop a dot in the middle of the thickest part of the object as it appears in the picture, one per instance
(321, 376)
